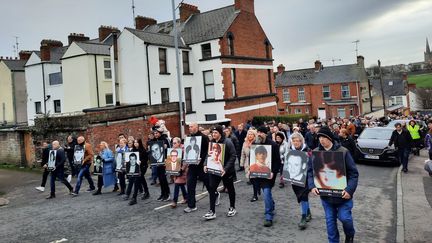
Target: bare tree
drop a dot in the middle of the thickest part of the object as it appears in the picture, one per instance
(424, 97)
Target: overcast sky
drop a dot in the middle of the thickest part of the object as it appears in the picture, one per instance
(300, 31)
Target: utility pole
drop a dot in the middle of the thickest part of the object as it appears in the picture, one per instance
(382, 87)
(133, 13)
(179, 82)
(16, 46)
(356, 44)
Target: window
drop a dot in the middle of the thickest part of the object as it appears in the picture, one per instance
(186, 68)
(206, 51)
(269, 77)
(188, 99)
(230, 44)
(209, 85)
(399, 100)
(301, 94)
(211, 117)
(109, 99)
(165, 95)
(55, 78)
(233, 83)
(57, 106)
(345, 91)
(341, 112)
(107, 69)
(286, 95)
(267, 48)
(162, 61)
(326, 92)
(297, 111)
(38, 107)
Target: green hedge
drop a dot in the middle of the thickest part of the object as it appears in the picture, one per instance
(259, 120)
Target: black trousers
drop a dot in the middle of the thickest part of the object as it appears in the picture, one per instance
(100, 183)
(134, 182)
(228, 181)
(59, 175)
(143, 180)
(165, 190)
(122, 179)
(44, 177)
(195, 172)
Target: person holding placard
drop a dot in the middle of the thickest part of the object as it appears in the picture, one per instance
(143, 154)
(336, 207)
(57, 169)
(158, 151)
(108, 177)
(85, 168)
(245, 161)
(120, 150)
(227, 173)
(132, 171)
(266, 184)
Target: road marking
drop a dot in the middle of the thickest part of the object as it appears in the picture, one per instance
(196, 197)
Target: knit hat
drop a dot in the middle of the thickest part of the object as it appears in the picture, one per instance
(263, 129)
(325, 132)
(219, 129)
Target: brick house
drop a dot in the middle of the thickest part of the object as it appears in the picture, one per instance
(226, 64)
(324, 92)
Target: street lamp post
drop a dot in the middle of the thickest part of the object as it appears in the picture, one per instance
(382, 87)
(179, 82)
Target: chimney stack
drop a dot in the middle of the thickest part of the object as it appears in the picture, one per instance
(77, 37)
(105, 31)
(360, 61)
(318, 65)
(46, 46)
(186, 10)
(280, 69)
(245, 5)
(142, 22)
(24, 55)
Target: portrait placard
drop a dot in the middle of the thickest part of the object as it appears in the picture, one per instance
(51, 160)
(173, 161)
(78, 154)
(119, 161)
(157, 153)
(329, 172)
(215, 158)
(131, 161)
(192, 150)
(97, 165)
(260, 161)
(295, 168)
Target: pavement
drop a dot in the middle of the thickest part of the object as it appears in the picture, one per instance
(415, 204)
(29, 217)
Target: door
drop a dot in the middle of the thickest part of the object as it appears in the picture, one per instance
(322, 113)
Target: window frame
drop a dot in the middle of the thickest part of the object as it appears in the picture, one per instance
(165, 101)
(112, 99)
(230, 43)
(38, 103)
(303, 94)
(163, 60)
(233, 82)
(107, 69)
(188, 109)
(339, 109)
(55, 106)
(286, 98)
(55, 74)
(205, 86)
(208, 117)
(328, 91)
(348, 91)
(206, 53)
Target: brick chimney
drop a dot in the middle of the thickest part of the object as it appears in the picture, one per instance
(46, 46)
(245, 5)
(318, 65)
(105, 31)
(280, 69)
(24, 55)
(142, 22)
(186, 10)
(360, 61)
(78, 37)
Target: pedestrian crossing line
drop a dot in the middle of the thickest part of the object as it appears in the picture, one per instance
(196, 197)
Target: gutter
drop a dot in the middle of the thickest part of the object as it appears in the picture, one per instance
(148, 74)
(97, 81)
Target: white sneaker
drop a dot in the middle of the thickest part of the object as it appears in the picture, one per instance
(209, 215)
(40, 188)
(217, 203)
(189, 210)
(69, 178)
(231, 212)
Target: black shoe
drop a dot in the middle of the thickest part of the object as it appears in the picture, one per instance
(160, 198)
(97, 193)
(52, 196)
(115, 189)
(308, 216)
(281, 185)
(145, 196)
(349, 239)
(268, 223)
(303, 223)
(241, 168)
(254, 199)
(121, 193)
(133, 201)
(152, 183)
(248, 183)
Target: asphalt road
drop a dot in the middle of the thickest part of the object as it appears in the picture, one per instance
(31, 218)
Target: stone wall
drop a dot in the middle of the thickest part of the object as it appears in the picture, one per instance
(11, 147)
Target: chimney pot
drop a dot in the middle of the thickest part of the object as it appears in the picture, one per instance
(360, 61)
(187, 10)
(142, 22)
(245, 5)
(318, 65)
(105, 31)
(77, 38)
(46, 46)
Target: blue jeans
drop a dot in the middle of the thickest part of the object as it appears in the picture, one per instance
(86, 173)
(177, 188)
(268, 203)
(342, 212)
(403, 154)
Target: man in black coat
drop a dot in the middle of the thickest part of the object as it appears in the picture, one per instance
(401, 139)
(196, 172)
(46, 147)
(58, 170)
(267, 184)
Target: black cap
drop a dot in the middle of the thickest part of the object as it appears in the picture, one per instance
(325, 132)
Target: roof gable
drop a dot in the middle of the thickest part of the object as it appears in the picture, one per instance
(156, 38)
(73, 50)
(15, 65)
(34, 58)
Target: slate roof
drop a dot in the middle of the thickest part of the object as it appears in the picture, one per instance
(94, 48)
(327, 75)
(396, 89)
(198, 28)
(57, 53)
(15, 65)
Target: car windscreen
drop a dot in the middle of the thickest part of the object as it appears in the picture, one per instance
(393, 123)
(376, 134)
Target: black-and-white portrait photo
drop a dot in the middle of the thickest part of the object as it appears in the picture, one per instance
(192, 150)
(119, 161)
(51, 160)
(295, 167)
(78, 154)
(157, 153)
(98, 165)
(132, 163)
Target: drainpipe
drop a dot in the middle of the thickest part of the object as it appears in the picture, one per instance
(97, 81)
(14, 97)
(360, 110)
(44, 91)
(148, 74)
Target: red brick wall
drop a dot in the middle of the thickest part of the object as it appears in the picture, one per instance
(248, 115)
(248, 82)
